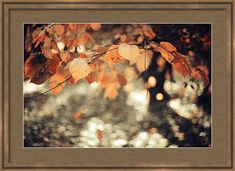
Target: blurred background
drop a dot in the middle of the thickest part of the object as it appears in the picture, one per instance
(170, 112)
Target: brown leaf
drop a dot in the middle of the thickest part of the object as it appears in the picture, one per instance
(47, 52)
(92, 77)
(78, 116)
(168, 46)
(181, 65)
(29, 68)
(72, 27)
(167, 55)
(96, 26)
(65, 56)
(99, 134)
(148, 32)
(112, 56)
(201, 73)
(28, 41)
(144, 60)
(59, 29)
(55, 82)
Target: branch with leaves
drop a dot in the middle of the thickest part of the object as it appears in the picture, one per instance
(68, 53)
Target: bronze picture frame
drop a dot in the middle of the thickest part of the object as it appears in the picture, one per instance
(219, 13)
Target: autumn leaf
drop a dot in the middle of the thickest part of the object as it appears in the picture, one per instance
(52, 65)
(181, 65)
(96, 26)
(170, 54)
(92, 77)
(78, 116)
(121, 79)
(59, 29)
(144, 60)
(57, 82)
(148, 32)
(79, 69)
(29, 68)
(201, 73)
(65, 56)
(112, 56)
(39, 69)
(129, 52)
(168, 46)
(28, 41)
(47, 52)
(40, 77)
(166, 54)
(111, 91)
(72, 27)
(99, 134)
(130, 74)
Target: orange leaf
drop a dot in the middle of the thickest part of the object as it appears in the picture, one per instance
(201, 73)
(47, 52)
(29, 68)
(99, 134)
(52, 65)
(72, 27)
(112, 56)
(59, 29)
(96, 26)
(65, 56)
(149, 33)
(181, 65)
(92, 77)
(167, 55)
(168, 46)
(111, 91)
(55, 82)
(78, 116)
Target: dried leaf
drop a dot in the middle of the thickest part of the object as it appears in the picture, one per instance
(72, 27)
(29, 69)
(201, 73)
(92, 77)
(111, 91)
(28, 41)
(144, 60)
(59, 29)
(168, 46)
(78, 116)
(79, 69)
(47, 52)
(167, 55)
(96, 26)
(129, 52)
(65, 56)
(55, 82)
(99, 134)
(112, 56)
(148, 32)
(181, 65)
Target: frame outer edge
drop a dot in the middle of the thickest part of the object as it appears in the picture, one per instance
(1, 72)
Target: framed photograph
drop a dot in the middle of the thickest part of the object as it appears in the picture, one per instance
(114, 85)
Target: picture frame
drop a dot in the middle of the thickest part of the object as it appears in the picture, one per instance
(219, 13)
